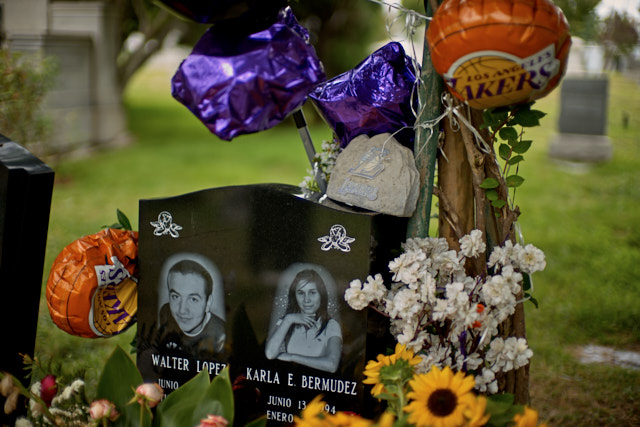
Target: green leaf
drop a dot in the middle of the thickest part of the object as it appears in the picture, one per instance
(521, 147)
(220, 392)
(123, 220)
(180, 404)
(533, 300)
(514, 181)
(117, 384)
(196, 399)
(489, 183)
(492, 195)
(504, 151)
(526, 281)
(515, 160)
(493, 118)
(502, 400)
(498, 203)
(527, 118)
(508, 133)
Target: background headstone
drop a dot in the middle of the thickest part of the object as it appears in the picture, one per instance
(254, 238)
(582, 124)
(26, 185)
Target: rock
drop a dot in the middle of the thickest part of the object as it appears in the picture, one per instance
(378, 174)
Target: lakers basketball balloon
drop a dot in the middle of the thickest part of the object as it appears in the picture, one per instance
(492, 53)
(92, 290)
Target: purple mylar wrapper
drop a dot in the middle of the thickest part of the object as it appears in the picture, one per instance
(372, 98)
(245, 85)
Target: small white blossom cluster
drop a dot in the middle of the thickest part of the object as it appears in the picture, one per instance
(447, 317)
(326, 159)
(67, 406)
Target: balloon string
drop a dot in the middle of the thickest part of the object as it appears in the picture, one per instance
(455, 118)
(403, 10)
(412, 20)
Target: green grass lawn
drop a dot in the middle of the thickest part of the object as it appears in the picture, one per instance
(585, 219)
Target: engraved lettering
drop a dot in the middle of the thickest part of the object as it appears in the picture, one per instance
(262, 375)
(279, 416)
(329, 384)
(363, 190)
(279, 401)
(170, 362)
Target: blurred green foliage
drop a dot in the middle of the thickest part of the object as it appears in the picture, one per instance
(342, 32)
(25, 81)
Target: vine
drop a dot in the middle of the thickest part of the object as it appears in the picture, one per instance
(506, 125)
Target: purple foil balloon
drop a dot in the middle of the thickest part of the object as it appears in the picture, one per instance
(372, 98)
(241, 85)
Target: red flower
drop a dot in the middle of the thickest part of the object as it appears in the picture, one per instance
(48, 389)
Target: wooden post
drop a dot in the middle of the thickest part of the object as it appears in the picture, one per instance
(463, 205)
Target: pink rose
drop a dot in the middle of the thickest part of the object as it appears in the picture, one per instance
(151, 393)
(213, 421)
(103, 409)
(48, 389)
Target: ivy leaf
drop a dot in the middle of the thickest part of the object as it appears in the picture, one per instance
(492, 195)
(515, 160)
(498, 204)
(521, 147)
(527, 118)
(533, 300)
(494, 117)
(508, 133)
(526, 281)
(505, 151)
(489, 183)
(514, 181)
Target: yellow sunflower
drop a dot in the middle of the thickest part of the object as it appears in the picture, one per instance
(343, 419)
(386, 419)
(377, 374)
(476, 415)
(527, 419)
(440, 398)
(310, 414)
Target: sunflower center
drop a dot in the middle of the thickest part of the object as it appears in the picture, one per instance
(442, 402)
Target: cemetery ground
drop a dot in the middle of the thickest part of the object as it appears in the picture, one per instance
(586, 218)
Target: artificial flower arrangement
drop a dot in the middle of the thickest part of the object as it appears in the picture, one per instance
(439, 398)
(450, 318)
(125, 400)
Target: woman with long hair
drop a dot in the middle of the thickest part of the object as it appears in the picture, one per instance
(306, 334)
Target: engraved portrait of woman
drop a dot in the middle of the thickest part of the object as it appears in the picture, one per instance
(304, 328)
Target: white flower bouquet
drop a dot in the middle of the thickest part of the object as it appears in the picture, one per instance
(448, 317)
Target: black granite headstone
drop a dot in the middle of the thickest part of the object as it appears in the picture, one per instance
(26, 184)
(253, 241)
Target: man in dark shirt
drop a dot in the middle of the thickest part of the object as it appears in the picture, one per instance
(186, 321)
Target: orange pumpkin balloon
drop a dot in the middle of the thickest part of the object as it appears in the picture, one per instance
(92, 290)
(492, 53)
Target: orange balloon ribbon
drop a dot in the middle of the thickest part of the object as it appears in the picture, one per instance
(92, 288)
(493, 53)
